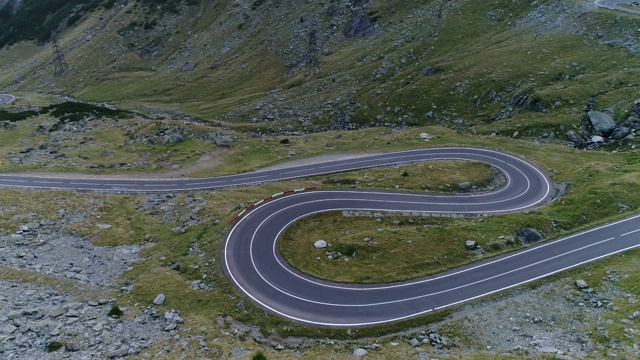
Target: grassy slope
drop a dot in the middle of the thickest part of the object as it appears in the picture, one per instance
(478, 54)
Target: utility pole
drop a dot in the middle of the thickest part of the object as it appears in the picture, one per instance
(312, 54)
(59, 63)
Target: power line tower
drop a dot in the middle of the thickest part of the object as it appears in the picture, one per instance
(59, 63)
(312, 54)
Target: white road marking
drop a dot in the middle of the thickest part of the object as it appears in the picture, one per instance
(630, 232)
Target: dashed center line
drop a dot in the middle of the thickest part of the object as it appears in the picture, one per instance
(630, 232)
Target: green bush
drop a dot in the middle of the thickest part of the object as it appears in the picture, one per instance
(115, 311)
(53, 346)
(259, 356)
(5, 115)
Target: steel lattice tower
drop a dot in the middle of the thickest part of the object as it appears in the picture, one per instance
(59, 63)
(312, 54)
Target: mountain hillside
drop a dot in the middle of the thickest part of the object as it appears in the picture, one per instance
(475, 65)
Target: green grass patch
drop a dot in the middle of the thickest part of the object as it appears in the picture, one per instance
(429, 176)
(388, 248)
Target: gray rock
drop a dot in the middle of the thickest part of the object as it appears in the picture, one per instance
(464, 186)
(159, 300)
(8, 329)
(72, 346)
(173, 316)
(188, 66)
(119, 352)
(414, 342)
(620, 133)
(571, 135)
(33, 225)
(359, 26)
(597, 139)
(529, 235)
(470, 244)
(623, 207)
(220, 139)
(238, 352)
(359, 352)
(26, 150)
(320, 244)
(292, 153)
(548, 350)
(581, 284)
(425, 136)
(13, 314)
(601, 122)
(172, 139)
(8, 125)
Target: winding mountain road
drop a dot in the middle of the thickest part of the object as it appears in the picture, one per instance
(615, 5)
(6, 99)
(252, 262)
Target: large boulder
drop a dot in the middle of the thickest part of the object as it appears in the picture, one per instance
(601, 122)
(359, 26)
(620, 133)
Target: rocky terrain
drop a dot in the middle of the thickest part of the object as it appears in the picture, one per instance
(40, 322)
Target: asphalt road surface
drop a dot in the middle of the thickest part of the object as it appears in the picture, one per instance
(6, 99)
(615, 5)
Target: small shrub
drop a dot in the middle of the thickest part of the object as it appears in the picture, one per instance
(150, 24)
(259, 356)
(344, 182)
(53, 346)
(115, 311)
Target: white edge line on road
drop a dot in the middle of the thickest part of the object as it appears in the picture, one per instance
(317, 323)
